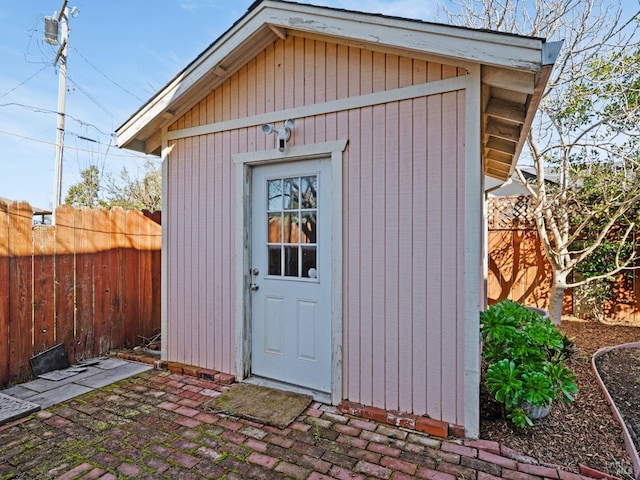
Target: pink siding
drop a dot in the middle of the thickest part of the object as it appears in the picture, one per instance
(403, 223)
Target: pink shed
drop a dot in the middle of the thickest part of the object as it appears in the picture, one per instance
(323, 224)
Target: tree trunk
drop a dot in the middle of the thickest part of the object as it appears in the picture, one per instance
(556, 297)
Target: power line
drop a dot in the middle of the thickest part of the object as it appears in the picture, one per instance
(46, 110)
(106, 76)
(98, 104)
(139, 157)
(23, 82)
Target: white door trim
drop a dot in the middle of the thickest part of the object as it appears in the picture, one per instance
(243, 168)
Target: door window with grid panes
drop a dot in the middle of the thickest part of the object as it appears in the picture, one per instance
(292, 223)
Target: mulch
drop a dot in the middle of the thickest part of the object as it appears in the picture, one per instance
(583, 432)
(619, 370)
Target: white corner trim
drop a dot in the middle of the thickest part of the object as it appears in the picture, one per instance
(243, 163)
(164, 276)
(473, 250)
(242, 176)
(395, 95)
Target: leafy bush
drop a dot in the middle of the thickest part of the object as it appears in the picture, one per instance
(525, 356)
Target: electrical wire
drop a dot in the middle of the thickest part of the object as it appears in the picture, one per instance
(41, 44)
(98, 104)
(46, 110)
(46, 51)
(106, 76)
(23, 82)
(66, 147)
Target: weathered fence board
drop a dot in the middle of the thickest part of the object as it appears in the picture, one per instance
(102, 278)
(43, 288)
(4, 294)
(83, 222)
(92, 283)
(19, 281)
(64, 265)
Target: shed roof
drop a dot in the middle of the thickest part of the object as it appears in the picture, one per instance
(515, 68)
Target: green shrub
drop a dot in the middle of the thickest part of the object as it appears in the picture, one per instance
(525, 355)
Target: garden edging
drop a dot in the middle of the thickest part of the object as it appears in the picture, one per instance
(628, 441)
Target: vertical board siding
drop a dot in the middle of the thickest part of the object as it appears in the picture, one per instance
(434, 241)
(402, 216)
(392, 281)
(419, 362)
(405, 260)
(461, 223)
(451, 228)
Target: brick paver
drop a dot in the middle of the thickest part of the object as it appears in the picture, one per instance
(153, 426)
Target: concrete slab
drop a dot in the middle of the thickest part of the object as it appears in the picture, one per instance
(113, 375)
(42, 385)
(59, 395)
(111, 363)
(45, 393)
(19, 391)
(58, 375)
(14, 408)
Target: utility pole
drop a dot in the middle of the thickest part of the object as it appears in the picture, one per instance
(51, 37)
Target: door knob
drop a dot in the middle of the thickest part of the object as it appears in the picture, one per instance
(255, 272)
(254, 287)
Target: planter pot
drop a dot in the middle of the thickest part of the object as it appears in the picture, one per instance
(536, 412)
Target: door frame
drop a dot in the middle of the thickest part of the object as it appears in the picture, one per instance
(244, 163)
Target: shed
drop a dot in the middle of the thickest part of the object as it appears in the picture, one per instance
(323, 225)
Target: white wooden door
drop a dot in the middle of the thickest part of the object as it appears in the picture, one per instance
(291, 273)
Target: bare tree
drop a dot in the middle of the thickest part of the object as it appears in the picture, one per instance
(588, 124)
(135, 193)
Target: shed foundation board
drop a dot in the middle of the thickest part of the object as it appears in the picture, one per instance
(13, 408)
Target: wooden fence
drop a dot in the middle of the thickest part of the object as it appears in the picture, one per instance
(519, 269)
(91, 282)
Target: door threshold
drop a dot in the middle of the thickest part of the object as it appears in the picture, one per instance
(318, 396)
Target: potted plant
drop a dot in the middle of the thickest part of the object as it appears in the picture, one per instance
(525, 356)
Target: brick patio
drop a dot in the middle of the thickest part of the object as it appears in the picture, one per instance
(153, 426)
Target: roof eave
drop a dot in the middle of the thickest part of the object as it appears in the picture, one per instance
(265, 22)
(502, 164)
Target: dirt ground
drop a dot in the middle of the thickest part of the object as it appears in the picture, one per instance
(585, 431)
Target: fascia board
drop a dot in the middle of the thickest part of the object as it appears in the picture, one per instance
(490, 48)
(180, 85)
(484, 47)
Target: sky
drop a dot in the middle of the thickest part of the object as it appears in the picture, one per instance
(121, 52)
